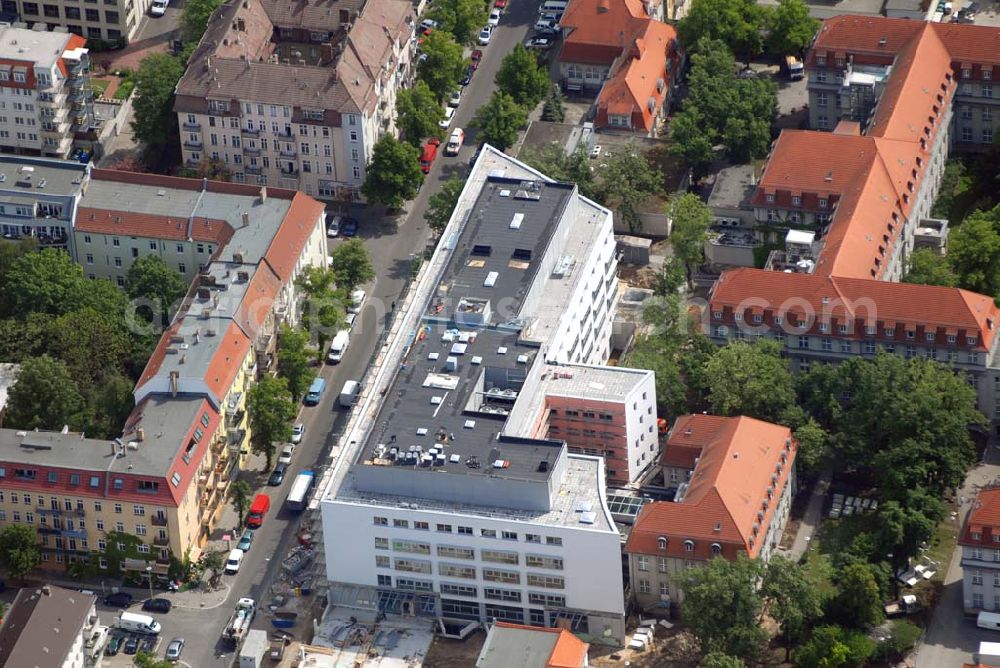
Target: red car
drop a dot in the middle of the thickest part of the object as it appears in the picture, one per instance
(477, 56)
(428, 155)
(500, 4)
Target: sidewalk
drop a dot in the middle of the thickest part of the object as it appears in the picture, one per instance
(812, 517)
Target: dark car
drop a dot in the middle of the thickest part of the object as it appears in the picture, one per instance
(157, 605)
(477, 57)
(349, 227)
(246, 540)
(277, 475)
(148, 643)
(120, 599)
(467, 78)
(132, 645)
(114, 645)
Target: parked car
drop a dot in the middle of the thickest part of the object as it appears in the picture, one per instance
(333, 227)
(349, 227)
(500, 4)
(449, 114)
(246, 540)
(174, 649)
(132, 644)
(467, 77)
(542, 43)
(297, 432)
(427, 25)
(277, 475)
(357, 301)
(114, 645)
(120, 599)
(286, 454)
(147, 643)
(162, 605)
(349, 319)
(547, 28)
(158, 8)
(233, 562)
(455, 98)
(494, 19)
(485, 34)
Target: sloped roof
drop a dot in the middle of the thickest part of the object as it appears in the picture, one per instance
(742, 459)
(925, 305)
(597, 31)
(292, 235)
(139, 224)
(983, 518)
(42, 625)
(642, 76)
(531, 647)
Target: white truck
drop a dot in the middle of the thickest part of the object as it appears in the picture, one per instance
(455, 142)
(338, 347)
(131, 621)
(239, 623)
(253, 650)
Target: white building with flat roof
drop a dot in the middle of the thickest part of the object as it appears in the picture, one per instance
(465, 496)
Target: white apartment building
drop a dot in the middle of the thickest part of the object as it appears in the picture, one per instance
(980, 543)
(296, 100)
(463, 498)
(45, 94)
(52, 627)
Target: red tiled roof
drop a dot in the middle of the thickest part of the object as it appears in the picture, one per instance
(181, 183)
(688, 436)
(646, 75)
(568, 652)
(926, 306)
(292, 235)
(984, 519)
(226, 362)
(134, 224)
(256, 306)
(742, 459)
(589, 25)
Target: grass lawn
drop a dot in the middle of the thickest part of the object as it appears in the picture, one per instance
(99, 86)
(126, 87)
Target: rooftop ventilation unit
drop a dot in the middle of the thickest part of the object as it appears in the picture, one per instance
(529, 190)
(564, 265)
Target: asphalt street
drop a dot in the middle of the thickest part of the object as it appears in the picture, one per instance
(392, 242)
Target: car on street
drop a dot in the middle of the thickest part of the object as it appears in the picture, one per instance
(467, 77)
(286, 454)
(114, 645)
(162, 605)
(476, 58)
(455, 98)
(428, 25)
(349, 227)
(357, 301)
(485, 34)
(158, 8)
(298, 430)
(174, 649)
(132, 645)
(542, 43)
(349, 319)
(494, 19)
(547, 28)
(449, 113)
(147, 644)
(500, 4)
(277, 475)
(120, 599)
(333, 227)
(246, 540)
(234, 561)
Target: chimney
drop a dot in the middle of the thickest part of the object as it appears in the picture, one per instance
(246, 219)
(174, 376)
(263, 194)
(140, 434)
(204, 183)
(46, 590)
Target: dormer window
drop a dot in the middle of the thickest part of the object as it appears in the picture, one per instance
(777, 320)
(966, 73)
(661, 543)
(769, 197)
(890, 332)
(716, 549)
(689, 546)
(717, 315)
(930, 337)
(840, 61)
(823, 202)
(971, 340)
(976, 535)
(758, 318)
(796, 200)
(821, 61)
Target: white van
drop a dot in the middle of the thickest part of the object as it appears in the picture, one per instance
(553, 7)
(338, 347)
(349, 394)
(234, 561)
(988, 620)
(131, 621)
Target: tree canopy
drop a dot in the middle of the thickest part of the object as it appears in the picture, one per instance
(19, 551)
(690, 218)
(155, 81)
(323, 312)
(858, 602)
(627, 180)
(441, 204)
(974, 252)
(735, 23)
(930, 268)
(155, 283)
(522, 77)
(293, 361)
(750, 379)
(461, 18)
(790, 28)
(351, 265)
(418, 112)
(44, 396)
(834, 647)
(270, 409)
(499, 120)
(442, 62)
(394, 173)
(194, 18)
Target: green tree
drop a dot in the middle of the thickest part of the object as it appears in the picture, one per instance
(736, 23)
(499, 120)
(690, 218)
(461, 18)
(929, 268)
(293, 361)
(109, 403)
(323, 312)
(790, 28)
(690, 140)
(443, 64)
(750, 379)
(270, 409)
(814, 449)
(792, 600)
(351, 265)
(671, 391)
(442, 204)
(24, 337)
(834, 647)
(43, 282)
(394, 173)
(44, 396)
(208, 168)
(903, 527)
(418, 113)
(240, 494)
(628, 180)
(90, 344)
(554, 111)
(149, 660)
(521, 77)
(157, 285)
(722, 606)
(194, 18)
(858, 602)
(19, 551)
(154, 119)
(552, 161)
(720, 660)
(11, 250)
(212, 562)
(974, 252)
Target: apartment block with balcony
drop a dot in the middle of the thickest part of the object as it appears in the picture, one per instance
(51, 626)
(39, 198)
(822, 320)
(296, 99)
(980, 544)
(108, 20)
(45, 91)
(734, 498)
